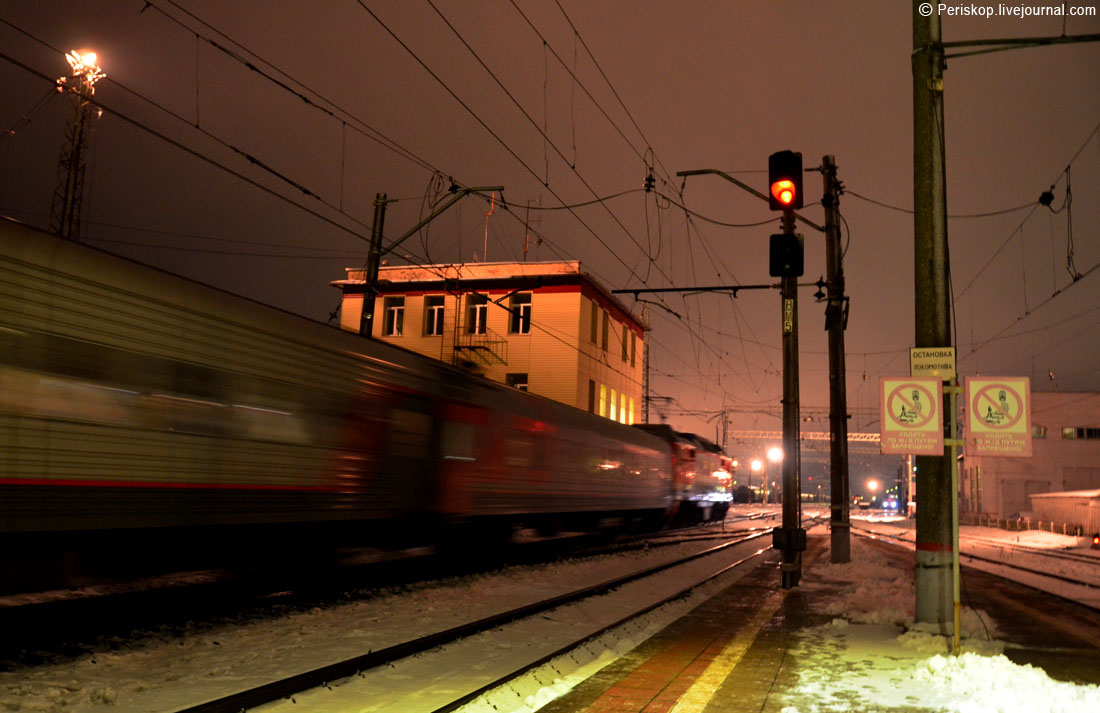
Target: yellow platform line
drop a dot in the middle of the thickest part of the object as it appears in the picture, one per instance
(702, 691)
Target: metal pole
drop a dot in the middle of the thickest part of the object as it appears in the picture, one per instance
(374, 258)
(791, 567)
(835, 323)
(932, 314)
(956, 604)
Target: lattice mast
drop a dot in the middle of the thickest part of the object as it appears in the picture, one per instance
(69, 194)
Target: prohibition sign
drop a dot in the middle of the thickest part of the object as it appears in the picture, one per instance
(993, 401)
(922, 416)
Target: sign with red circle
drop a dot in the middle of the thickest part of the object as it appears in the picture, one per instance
(911, 414)
(998, 416)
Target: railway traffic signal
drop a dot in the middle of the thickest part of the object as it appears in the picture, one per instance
(785, 255)
(785, 180)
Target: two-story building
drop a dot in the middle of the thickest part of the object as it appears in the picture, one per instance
(543, 327)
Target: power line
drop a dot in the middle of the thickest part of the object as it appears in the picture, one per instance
(910, 211)
(367, 131)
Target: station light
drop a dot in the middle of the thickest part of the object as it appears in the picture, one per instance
(785, 180)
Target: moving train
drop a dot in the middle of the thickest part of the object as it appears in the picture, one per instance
(144, 415)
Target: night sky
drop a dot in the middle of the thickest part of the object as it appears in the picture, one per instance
(565, 102)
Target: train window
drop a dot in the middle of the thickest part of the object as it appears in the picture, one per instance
(458, 441)
(394, 324)
(516, 381)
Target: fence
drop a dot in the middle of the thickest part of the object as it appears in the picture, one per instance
(1023, 523)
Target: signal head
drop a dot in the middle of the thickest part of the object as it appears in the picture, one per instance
(785, 180)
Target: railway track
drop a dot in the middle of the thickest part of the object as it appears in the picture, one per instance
(367, 673)
(1038, 573)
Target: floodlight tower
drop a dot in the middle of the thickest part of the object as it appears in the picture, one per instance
(69, 194)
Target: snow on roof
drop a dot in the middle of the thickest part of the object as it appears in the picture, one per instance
(1069, 494)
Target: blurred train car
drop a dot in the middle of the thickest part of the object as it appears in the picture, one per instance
(702, 474)
(143, 414)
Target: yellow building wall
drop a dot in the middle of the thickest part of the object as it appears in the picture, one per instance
(607, 368)
(557, 355)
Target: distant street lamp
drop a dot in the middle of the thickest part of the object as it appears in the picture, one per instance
(755, 466)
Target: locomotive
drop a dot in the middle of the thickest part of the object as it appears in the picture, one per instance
(143, 414)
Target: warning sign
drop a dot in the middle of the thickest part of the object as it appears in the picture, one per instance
(911, 415)
(998, 416)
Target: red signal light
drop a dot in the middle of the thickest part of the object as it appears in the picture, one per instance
(785, 180)
(784, 191)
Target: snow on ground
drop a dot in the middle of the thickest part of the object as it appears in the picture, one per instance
(1024, 548)
(871, 658)
(164, 671)
(867, 658)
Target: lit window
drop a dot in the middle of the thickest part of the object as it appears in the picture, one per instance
(622, 408)
(1038, 431)
(521, 314)
(433, 315)
(603, 400)
(1069, 433)
(614, 403)
(516, 381)
(630, 418)
(477, 310)
(394, 324)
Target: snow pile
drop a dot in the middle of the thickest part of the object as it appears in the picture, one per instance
(873, 660)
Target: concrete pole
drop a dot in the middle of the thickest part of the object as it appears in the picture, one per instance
(932, 314)
(840, 548)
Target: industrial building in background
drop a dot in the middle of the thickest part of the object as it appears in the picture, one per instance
(543, 327)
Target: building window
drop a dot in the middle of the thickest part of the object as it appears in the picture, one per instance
(516, 381)
(606, 326)
(630, 417)
(622, 408)
(521, 314)
(603, 400)
(614, 404)
(394, 320)
(626, 351)
(433, 315)
(595, 321)
(591, 396)
(477, 309)
(633, 348)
